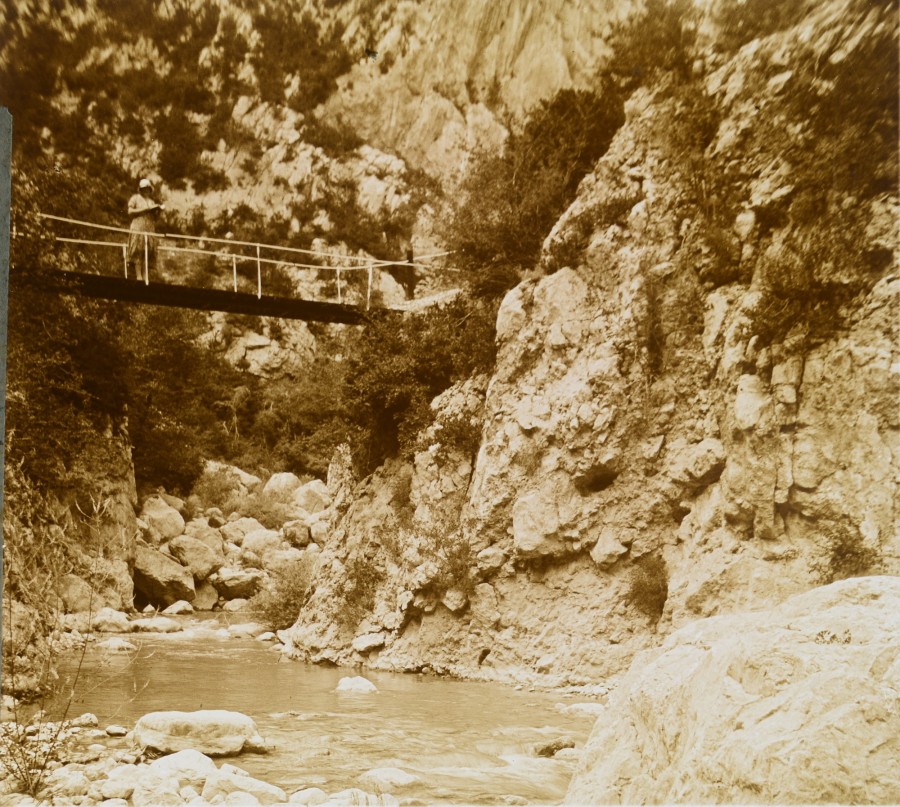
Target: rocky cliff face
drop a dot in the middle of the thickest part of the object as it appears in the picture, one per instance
(440, 73)
(664, 437)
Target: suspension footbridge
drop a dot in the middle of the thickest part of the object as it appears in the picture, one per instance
(241, 277)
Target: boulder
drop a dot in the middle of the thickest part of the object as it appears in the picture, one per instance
(161, 517)
(120, 782)
(161, 579)
(313, 497)
(179, 608)
(215, 732)
(77, 595)
(318, 531)
(156, 624)
(106, 620)
(310, 796)
(281, 485)
(200, 529)
(356, 684)
(296, 533)
(214, 516)
(189, 767)
(65, 783)
(233, 583)
(797, 704)
(152, 789)
(234, 531)
(196, 555)
(369, 641)
(206, 597)
(237, 604)
(261, 543)
(223, 783)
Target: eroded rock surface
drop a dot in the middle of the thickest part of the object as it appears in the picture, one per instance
(794, 705)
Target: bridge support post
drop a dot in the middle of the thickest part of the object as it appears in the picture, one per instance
(146, 260)
(258, 275)
(369, 290)
(234, 271)
(125, 258)
(338, 274)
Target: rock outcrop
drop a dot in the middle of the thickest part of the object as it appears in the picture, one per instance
(666, 435)
(794, 705)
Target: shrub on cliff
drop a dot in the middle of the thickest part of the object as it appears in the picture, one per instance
(278, 604)
(510, 199)
(395, 367)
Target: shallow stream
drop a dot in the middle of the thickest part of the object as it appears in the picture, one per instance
(468, 742)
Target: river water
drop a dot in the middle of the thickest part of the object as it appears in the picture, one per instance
(468, 742)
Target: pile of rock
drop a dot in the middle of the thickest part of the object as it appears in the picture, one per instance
(212, 561)
(88, 772)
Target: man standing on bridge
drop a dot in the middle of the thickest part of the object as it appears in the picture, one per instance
(143, 211)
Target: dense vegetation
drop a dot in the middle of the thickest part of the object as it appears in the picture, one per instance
(172, 78)
(509, 199)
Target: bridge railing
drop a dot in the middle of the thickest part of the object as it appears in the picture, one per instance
(233, 253)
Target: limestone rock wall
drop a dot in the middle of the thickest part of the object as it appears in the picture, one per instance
(794, 705)
(652, 450)
(443, 69)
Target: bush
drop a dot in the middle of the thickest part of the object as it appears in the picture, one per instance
(657, 38)
(270, 511)
(510, 199)
(395, 367)
(850, 557)
(362, 578)
(279, 604)
(649, 586)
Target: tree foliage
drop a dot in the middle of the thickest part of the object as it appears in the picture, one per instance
(394, 370)
(510, 198)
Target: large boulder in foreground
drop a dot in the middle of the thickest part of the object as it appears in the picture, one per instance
(214, 732)
(798, 704)
(161, 579)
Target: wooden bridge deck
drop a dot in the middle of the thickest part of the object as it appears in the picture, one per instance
(122, 289)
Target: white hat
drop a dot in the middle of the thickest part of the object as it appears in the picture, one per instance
(145, 183)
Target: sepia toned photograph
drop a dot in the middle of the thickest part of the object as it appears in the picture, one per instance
(450, 402)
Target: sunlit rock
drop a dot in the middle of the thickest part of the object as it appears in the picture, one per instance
(234, 531)
(156, 624)
(356, 684)
(313, 496)
(222, 784)
(106, 620)
(116, 645)
(212, 732)
(232, 583)
(282, 485)
(162, 517)
(189, 767)
(178, 608)
(706, 717)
